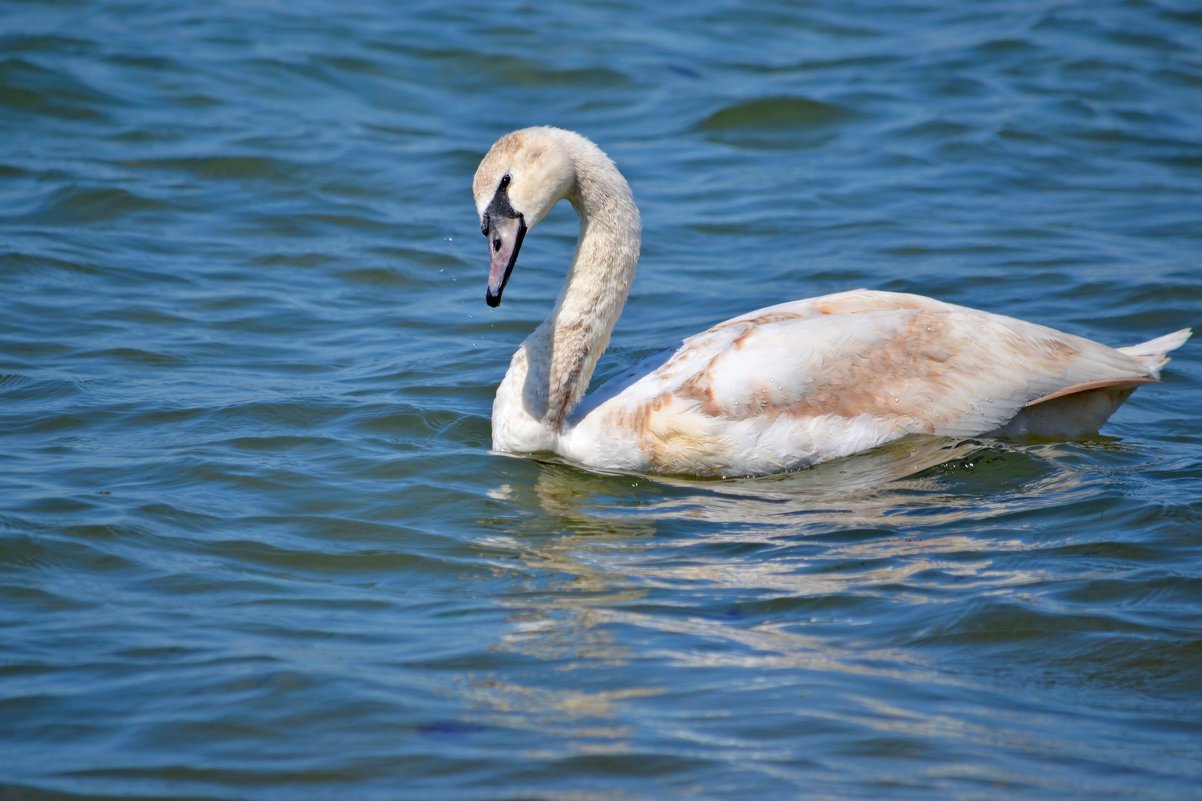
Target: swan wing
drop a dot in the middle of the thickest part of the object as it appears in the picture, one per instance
(815, 379)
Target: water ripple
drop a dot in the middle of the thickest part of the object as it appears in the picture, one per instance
(252, 540)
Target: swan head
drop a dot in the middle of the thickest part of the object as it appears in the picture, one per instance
(524, 174)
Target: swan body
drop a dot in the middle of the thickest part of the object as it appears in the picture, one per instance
(776, 389)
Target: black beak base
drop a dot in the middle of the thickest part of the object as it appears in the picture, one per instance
(504, 229)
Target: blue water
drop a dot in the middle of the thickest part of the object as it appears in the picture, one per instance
(253, 544)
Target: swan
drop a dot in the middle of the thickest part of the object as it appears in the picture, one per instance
(776, 389)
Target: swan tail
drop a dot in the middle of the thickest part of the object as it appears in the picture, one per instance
(1154, 354)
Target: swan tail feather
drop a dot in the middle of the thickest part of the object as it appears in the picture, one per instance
(1154, 354)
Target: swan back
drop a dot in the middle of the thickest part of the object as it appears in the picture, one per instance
(811, 380)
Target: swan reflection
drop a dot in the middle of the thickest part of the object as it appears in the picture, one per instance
(920, 480)
(763, 573)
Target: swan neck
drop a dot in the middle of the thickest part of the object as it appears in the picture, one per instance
(598, 282)
(551, 371)
(603, 265)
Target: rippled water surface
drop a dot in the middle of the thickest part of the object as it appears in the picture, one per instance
(253, 544)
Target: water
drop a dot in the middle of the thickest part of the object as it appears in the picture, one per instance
(253, 544)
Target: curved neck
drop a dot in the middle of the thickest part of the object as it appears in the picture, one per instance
(551, 370)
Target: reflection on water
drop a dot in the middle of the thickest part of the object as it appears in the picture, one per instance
(920, 480)
(763, 569)
(876, 601)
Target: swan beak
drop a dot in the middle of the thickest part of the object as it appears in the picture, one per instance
(504, 241)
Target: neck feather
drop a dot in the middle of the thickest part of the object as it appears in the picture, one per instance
(551, 370)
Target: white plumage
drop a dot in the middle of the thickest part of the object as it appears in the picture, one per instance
(775, 389)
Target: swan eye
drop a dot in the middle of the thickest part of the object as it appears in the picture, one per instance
(504, 181)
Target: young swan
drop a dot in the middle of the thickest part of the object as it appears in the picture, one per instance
(776, 389)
